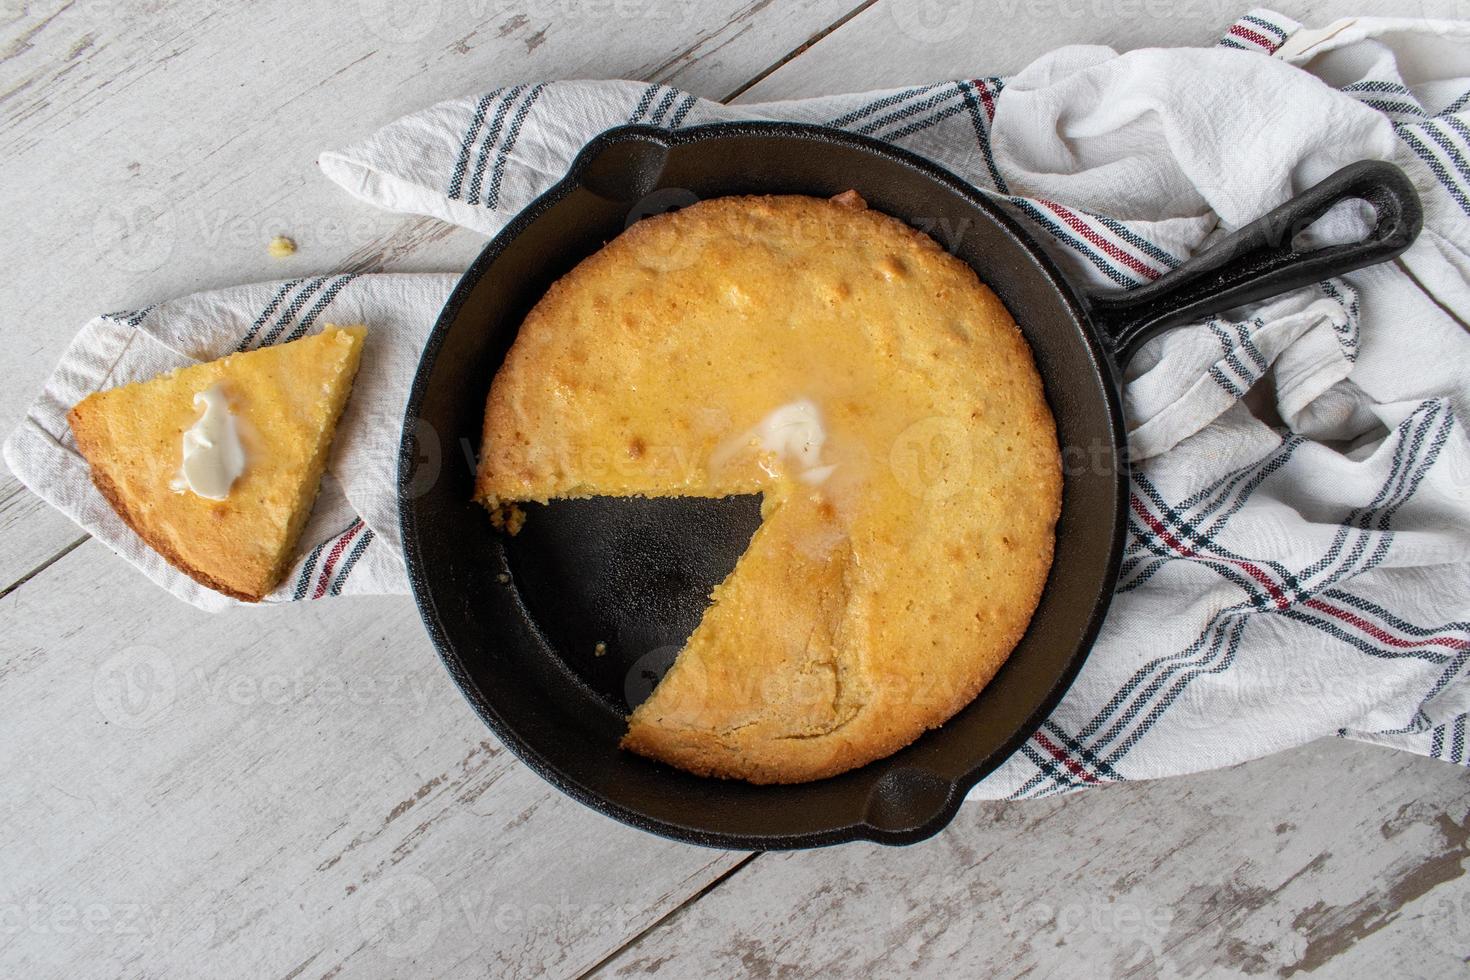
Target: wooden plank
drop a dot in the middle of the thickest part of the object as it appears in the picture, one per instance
(32, 533)
(189, 134)
(1337, 856)
(294, 789)
(900, 42)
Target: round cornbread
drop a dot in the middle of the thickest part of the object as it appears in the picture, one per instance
(884, 588)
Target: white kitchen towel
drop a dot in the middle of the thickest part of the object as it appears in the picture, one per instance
(350, 545)
(1284, 580)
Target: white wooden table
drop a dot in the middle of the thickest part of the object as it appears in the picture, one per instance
(302, 793)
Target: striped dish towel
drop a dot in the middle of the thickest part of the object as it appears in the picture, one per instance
(350, 544)
(1297, 560)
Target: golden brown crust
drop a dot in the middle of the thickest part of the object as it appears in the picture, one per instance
(287, 400)
(868, 608)
(158, 543)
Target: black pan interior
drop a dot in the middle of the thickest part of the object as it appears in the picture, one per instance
(519, 621)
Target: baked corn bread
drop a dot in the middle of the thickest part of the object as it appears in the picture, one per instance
(285, 401)
(880, 399)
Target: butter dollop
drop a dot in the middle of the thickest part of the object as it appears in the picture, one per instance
(213, 457)
(792, 434)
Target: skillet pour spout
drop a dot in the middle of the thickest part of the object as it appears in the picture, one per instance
(513, 619)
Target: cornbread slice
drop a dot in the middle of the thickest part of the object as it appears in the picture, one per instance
(286, 401)
(886, 586)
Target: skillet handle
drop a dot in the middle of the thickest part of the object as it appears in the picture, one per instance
(1259, 261)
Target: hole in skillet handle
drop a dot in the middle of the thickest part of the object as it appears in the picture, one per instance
(1261, 260)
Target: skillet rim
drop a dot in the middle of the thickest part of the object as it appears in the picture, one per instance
(1087, 332)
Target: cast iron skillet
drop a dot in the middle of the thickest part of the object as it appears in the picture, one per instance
(518, 620)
